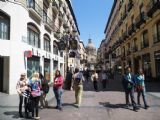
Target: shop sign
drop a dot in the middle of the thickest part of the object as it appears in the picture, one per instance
(28, 53)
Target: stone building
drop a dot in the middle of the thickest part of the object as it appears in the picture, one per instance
(132, 36)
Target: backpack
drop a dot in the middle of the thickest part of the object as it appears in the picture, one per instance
(78, 78)
(35, 88)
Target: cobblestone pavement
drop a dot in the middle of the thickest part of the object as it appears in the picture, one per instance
(102, 105)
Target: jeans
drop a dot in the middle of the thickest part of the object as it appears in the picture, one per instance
(95, 83)
(143, 96)
(35, 101)
(131, 94)
(58, 96)
(20, 104)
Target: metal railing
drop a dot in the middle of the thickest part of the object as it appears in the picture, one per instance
(32, 4)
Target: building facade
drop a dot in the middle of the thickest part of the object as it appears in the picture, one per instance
(133, 36)
(29, 40)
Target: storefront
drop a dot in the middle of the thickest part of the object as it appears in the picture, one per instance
(47, 69)
(157, 64)
(33, 65)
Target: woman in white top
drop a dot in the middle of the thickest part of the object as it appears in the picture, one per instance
(21, 88)
(94, 79)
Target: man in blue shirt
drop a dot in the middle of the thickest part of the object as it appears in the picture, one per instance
(128, 85)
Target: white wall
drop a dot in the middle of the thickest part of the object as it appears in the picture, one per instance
(14, 48)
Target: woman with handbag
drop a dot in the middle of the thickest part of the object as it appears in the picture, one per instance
(140, 88)
(35, 85)
(57, 88)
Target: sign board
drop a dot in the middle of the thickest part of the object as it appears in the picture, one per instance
(28, 53)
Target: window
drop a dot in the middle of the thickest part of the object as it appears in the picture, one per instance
(156, 35)
(46, 43)
(31, 3)
(135, 47)
(144, 39)
(4, 26)
(33, 35)
(55, 48)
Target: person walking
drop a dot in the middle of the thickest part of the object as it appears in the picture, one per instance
(77, 84)
(21, 87)
(94, 79)
(140, 88)
(57, 88)
(44, 90)
(35, 85)
(68, 80)
(104, 79)
(128, 85)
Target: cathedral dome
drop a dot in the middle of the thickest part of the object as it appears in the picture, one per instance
(90, 45)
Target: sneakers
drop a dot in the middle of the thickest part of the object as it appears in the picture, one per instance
(146, 107)
(135, 109)
(60, 108)
(20, 115)
(36, 118)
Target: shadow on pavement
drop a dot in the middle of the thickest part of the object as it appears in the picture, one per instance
(114, 106)
(14, 114)
(69, 104)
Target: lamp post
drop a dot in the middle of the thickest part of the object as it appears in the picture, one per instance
(67, 41)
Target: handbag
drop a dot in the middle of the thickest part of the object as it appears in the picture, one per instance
(35, 93)
(139, 88)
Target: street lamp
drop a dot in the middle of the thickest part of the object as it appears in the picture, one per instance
(67, 42)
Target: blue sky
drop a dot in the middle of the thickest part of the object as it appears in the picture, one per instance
(92, 16)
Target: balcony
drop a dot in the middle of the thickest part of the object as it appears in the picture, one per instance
(60, 17)
(152, 7)
(46, 2)
(55, 7)
(120, 40)
(47, 22)
(124, 15)
(141, 18)
(120, 22)
(65, 25)
(130, 5)
(35, 9)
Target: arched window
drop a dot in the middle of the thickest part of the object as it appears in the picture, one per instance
(4, 26)
(33, 35)
(47, 43)
(55, 48)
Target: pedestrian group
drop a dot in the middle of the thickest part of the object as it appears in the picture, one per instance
(34, 90)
